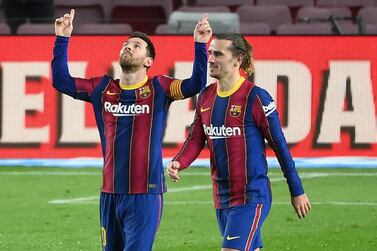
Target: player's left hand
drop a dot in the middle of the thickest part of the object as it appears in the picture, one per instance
(301, 204)
(64, 24)
(203, 30)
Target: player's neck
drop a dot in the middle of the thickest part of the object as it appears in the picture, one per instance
(227, 83)
(132, 78)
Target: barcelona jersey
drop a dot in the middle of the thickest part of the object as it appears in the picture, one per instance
(130, 119)
(235, 125)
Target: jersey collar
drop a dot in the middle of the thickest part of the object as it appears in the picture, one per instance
(134, 86)
(225, 94)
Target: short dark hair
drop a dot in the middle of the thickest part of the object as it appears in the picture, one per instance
(240, 46)
(150, 47)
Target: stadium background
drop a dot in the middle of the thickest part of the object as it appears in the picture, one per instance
(308, 76)
(325, 95)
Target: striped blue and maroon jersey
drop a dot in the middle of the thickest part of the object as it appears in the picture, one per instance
(235, 124)
(130, 119)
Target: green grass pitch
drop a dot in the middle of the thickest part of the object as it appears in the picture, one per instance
(57, 209)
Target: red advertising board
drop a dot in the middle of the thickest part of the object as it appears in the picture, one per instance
(325, 88)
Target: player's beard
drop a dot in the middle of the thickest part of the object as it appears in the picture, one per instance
(214, 71)
(130, 64)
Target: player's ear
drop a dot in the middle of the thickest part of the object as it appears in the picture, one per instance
(239, 59)
(148, 62)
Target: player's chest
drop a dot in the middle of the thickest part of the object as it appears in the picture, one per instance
(117, 103)
(224, 111)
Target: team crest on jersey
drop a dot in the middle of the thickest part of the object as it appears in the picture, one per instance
(144, 92)
(235, 110)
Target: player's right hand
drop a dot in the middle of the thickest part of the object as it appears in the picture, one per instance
(172, 170)
(64, 24)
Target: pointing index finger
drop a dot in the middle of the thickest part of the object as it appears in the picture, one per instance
(72, 15)
(205, 17)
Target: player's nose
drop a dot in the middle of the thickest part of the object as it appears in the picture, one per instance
(211, 59)
(127, 47)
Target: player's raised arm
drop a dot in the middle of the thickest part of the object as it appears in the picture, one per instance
(62, 81)
(198, 80)
(64, 24)
(202, 31)
(181, 89)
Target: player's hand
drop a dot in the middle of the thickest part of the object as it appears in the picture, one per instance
(64, 24)
(172, 170)
(203, 30)
(301, 205)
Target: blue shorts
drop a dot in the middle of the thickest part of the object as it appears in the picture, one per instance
(129, 221)
(240, 225)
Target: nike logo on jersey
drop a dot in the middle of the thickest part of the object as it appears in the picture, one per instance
(111, 93)
(120, 110)
(204, 109)
(229, 238)
(268, 109)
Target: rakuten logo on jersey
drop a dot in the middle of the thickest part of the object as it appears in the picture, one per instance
(269, 108)
(215, 132)
(119, 110)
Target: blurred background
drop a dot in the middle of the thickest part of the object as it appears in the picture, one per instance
(315, 57)
(250, 17)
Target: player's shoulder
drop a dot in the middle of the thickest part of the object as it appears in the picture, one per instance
(265, 100)
(167, 77)
(103, 77)
(97, 80)
(208, 90)
(262, 93)
(165, 81)
(163, 78)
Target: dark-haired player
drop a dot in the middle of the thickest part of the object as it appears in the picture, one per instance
(130, 114)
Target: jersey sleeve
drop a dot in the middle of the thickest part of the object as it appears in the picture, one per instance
(267, 119)
(180, 89)
(193, 144)
(78, 88)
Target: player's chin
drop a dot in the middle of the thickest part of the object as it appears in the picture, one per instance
(214, 74)
(122, 61)
(128, 63)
